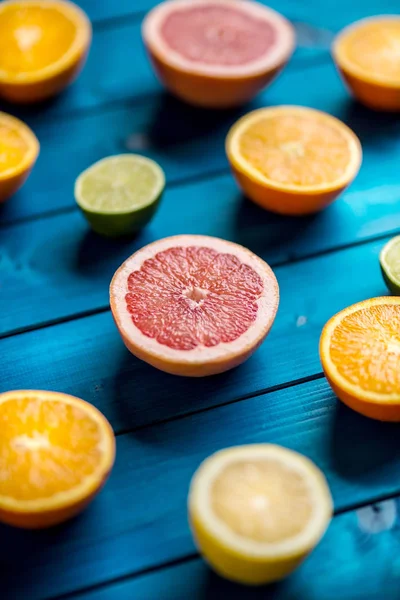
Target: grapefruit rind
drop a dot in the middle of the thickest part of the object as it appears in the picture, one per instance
(384, 407)
(49, 80)
(286, 198)
(45, 512)
(373, 88)
(213, 86)
(241, 559)
(203, 360)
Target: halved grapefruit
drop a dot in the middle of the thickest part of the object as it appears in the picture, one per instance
(217, 53)
(194, 305)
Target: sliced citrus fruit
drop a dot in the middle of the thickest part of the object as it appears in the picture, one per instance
(367, 54)
(194, 305)
(120, 194)
(19, 149)
(360, 354)
(56, 452)
(390, 264)
(217, 53)
(257, 511)
(43, 46)
(291, 159)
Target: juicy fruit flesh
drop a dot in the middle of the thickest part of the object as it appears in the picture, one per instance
(392, 261)
(262, 500)
(117, 186)
(218, 35)
(32, 38)
(295, 149)
(376, 47)
(190, 296)
(365, 348)
(13, 147)
(46, 447)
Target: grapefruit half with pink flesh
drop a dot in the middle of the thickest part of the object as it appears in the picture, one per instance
(194, 305)
(217, 53)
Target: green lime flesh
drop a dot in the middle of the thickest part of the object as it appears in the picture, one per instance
(390, 265)
(119, 195)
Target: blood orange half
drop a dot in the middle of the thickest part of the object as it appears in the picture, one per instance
(217, 53)
(194, 305)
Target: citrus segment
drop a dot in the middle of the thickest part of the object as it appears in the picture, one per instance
(43, 44)
(55, 453)
(360, 354)
(217, 53)
(120, 194)
(19, 149)
(257, 511)
(390, 264)
(194, 305)
(292, 159)
(367, 54)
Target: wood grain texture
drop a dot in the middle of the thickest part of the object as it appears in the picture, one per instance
(358, 559)
(189, 143)
(139, 520)
(333, 13)
(65, 269)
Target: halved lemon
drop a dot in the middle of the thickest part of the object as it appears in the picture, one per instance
(56, 452)
(291, 159)
(19, 149)
(43, 46)
(360, 355)
(257, 511)
(367, 54)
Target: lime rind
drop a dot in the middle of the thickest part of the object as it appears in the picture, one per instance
(120, 194)
(389, 260)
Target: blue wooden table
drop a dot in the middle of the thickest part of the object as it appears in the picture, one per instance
(57, 333)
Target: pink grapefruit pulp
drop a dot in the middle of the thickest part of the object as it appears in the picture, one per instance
(217, 53)
(194, 305)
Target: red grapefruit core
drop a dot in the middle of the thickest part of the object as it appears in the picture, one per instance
(194, 305)
(217, 53)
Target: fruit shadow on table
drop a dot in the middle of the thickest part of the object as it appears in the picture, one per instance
(370, 126)
(361, 446)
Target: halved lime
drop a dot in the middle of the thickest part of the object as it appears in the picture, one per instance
(120, 194)
(390, 264)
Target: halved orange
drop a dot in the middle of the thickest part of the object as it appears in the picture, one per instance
(19, 149)
(292, 160)
(360, 354)
(43, 46)
(56, 452)
(367, 54)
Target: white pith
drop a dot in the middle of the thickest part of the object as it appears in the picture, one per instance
(200, 505)
(267, 303)
(274, 57)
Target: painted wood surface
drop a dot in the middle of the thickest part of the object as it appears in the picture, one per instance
(359, 556)
(58, 332)
(139, 520)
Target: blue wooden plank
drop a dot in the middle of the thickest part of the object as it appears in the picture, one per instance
(333, 13)
(89, 359)
(190, 143)
(139, 520)
(64, 269)
(358, 559)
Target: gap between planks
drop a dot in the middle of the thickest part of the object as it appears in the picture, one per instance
(106, 308)
(189, 558)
